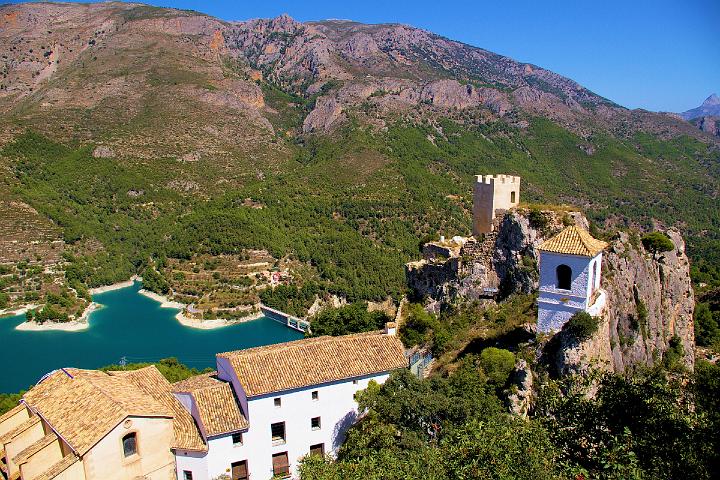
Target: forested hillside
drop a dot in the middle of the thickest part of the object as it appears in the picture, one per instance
(150, 134)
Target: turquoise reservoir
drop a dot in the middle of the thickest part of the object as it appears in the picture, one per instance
(129, 325)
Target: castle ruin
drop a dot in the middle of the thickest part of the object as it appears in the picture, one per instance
(492, 195)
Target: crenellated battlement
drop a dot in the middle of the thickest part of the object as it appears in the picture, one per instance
(491, 195)
(499, 178)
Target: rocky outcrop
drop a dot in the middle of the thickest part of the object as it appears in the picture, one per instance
(494, 266)
(708, 124)
(521, 389)
(650, 301)
(565, 354)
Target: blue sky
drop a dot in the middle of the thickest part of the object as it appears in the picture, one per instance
(658, 55)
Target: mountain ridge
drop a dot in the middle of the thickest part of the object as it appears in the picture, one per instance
(175, 127)
(709, 107)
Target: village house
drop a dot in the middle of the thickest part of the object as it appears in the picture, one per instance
(87, 424)
(268, 407)
(262, 411)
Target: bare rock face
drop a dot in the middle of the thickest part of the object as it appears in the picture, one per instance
(521, 395)
(103, 151)
(451, 94)
(567, 355)
(708, 124)
(327, 111)
(495, 266)
(650, 301)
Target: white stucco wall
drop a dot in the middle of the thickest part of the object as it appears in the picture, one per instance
(335, 406)
(556, 306)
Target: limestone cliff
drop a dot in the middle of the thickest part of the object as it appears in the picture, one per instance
(650, 299)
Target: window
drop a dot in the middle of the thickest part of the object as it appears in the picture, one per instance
(355, 382)
(278, 433)
(318, 449)
(239, 470)
(187, 475)
(129, 442)
(594, 276)
(315, 423)
(237, 439)
(512, 197)
(315, 395)
(564, 277)
(280, 463)
(278, 402)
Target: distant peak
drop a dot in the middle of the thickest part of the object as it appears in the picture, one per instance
(711, 100)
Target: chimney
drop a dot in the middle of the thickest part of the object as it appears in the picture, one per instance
(390, 328)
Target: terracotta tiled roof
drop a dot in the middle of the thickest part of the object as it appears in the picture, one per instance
(30, 422)
(82, 406)
(31, 450)
(574, 241)
(12, 412)
(313, 361)
(217, 406)
(56, 469)
(150, 381)
(195, 382)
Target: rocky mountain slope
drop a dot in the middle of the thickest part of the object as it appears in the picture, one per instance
(140, 133)
(706, 117)
(710, 107)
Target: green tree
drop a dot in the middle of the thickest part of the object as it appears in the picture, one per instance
(657, 242)
(707, 331)
(582, 325)
(353, 318)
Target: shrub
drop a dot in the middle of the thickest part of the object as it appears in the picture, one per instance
(352, 318)
(497, 363)
(538, 220)
(657, 242)
(582, 325)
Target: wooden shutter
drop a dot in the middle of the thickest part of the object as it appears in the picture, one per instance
(239, 470)
(318, 449)
(281, 465)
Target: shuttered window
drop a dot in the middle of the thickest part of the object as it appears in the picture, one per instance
(240, 470)
(280, 463)
(318, 449)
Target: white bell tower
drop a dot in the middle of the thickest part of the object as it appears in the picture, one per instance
(570, 270)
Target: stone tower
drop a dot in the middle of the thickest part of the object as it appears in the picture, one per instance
(493, 194)
(570, 266)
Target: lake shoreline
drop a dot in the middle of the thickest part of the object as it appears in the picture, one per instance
(75, 325)
(18, 311)
(115, 286)
(196, 322)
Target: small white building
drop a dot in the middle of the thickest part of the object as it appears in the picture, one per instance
(570, 272)
(268, 407)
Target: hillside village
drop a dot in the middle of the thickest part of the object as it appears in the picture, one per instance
(178, 191)
(263, 409)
